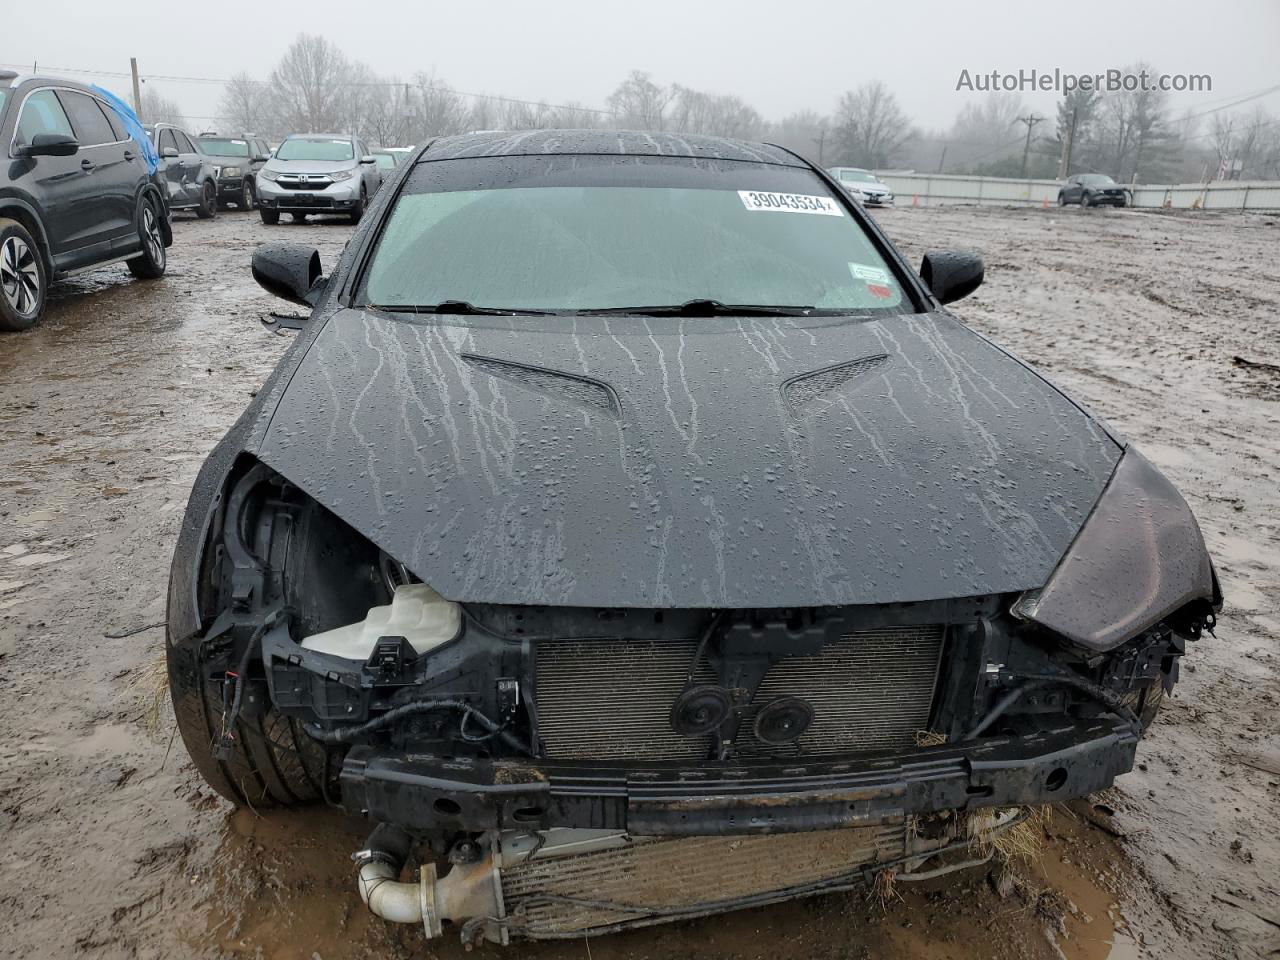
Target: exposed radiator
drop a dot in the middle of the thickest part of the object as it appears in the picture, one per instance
(649, 875)
(611, 699)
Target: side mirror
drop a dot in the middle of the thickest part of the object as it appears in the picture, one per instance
(169, 153)
(51, 145)
(261, 158)
(367, 159)
(952, 276)
(290, 271)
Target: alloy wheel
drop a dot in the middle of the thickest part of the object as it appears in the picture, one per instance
(20, 276)
(151, 236)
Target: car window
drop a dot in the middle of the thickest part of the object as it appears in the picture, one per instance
(90, 125)
(184, 143)
(113, 118)
(583, 233)
(857, 176)
(223, 146)
(315, 148)
(385, 161)
(166, 140)
(42, 113)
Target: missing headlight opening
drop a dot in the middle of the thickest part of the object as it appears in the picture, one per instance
(591, 670)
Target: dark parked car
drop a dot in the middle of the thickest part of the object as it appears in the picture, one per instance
(236, 162)
(1093, 190)
(631, 530)
(76, 192)
(189, 175)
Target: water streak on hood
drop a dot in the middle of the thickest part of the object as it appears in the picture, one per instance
(690, 462)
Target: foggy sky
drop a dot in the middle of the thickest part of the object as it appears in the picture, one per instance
(779, 57)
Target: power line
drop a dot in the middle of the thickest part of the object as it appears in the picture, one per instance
(169, 78)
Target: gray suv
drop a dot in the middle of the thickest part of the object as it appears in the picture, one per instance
(318, 173)
(190, 177)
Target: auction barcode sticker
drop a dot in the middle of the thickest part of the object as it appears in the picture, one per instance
(790, 203)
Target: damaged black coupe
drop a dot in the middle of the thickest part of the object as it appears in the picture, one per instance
(628, 510)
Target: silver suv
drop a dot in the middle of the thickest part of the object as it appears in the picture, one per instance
(317, 173)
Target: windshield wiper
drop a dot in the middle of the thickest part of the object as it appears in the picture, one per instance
(458, 307)
(706, 308)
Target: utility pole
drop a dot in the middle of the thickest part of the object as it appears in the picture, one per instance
(1064, 168)
(1030, 120)
(137, 89)
(821, 140)
(942, 161)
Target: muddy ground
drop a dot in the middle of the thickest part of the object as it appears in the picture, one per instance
(114, 848)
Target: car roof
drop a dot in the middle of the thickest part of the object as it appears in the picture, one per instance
(320, 136)
(620, 142)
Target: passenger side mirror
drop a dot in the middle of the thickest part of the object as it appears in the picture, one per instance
(290, 271)
(51, 145)
(367, 159)
(169, 153)
(952, 276)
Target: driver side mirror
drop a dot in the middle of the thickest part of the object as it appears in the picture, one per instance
(367, 159)
(261, 158)
(290, 271)
(952, 276)
(169, 153)
(51, 145)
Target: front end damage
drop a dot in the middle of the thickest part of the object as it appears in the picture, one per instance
(575, 770)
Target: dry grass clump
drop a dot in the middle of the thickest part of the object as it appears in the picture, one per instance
(151, 683)
(930, 738)
(1021, 842)
(885, 887)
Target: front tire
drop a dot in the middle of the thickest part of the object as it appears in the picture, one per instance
(208, 208)
(150, 264)
(358, 211)
(23, 282)
(272, 761)
(1085, 201)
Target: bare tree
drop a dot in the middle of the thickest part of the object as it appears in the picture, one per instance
(244, 105)
(435, 109)
(640, 104)
(984, 132)
(871, 127)
(721, 115)
(808, 133)
(157, 108)
(307, 86)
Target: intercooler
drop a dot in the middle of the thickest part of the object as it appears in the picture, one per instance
(611, 699)
(647, 880)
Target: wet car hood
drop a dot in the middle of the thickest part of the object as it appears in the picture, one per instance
(689, 462)
(276, 165)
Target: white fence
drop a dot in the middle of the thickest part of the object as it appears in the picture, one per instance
(927, 189)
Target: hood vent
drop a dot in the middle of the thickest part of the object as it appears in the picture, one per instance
(590, 395)
(812, 393)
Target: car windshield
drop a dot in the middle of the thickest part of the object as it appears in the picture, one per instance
(223, 148)
(315, 148)
(859, 176)
(581, 233)
(1095, 179)
(385, 161)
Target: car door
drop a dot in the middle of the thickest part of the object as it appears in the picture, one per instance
(56, 184)
(369, 171)
(1072, 191)
(108, 163)
(171, 165)
(192, 166)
